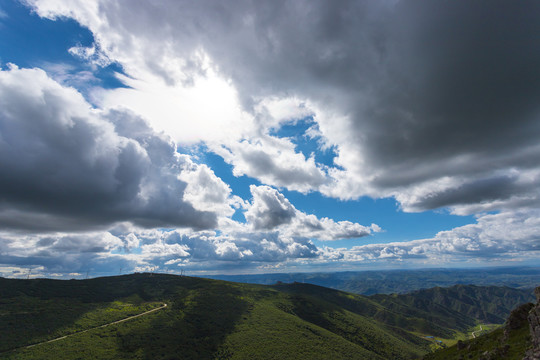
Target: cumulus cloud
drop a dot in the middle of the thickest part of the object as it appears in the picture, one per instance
(328, 229)
(270, 210)
(60, 243)
(274, 161)
(273, 112)
(206, 191)
(417, 92)
(495, 237)
(275, 232)
(71, 167)
(246, 246)
(433, 103)
(62, 253)
(208, 249)
(91, 54)
(68, 166)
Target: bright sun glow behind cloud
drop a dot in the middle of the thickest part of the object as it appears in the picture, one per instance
(205, 109)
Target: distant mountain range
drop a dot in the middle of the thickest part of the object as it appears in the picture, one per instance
(400, 281)
(211, 319)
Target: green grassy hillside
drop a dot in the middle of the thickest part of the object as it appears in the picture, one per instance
(207, 319)
(459, 306)
(505, 343)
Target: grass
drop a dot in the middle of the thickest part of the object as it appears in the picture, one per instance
(270, 333)
(30, 322)
(207, 319)
(493, 342)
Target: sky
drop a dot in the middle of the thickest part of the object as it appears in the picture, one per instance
(215, 137)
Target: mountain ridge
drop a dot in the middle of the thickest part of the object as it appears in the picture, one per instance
(208, 319)
(518, 339)
(369, 282)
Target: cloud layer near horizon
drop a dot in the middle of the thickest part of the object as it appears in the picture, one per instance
(495, 238)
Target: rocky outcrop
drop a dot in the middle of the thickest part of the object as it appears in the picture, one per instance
(534, 323)
(517, 318)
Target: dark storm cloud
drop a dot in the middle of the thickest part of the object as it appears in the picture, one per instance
(431, 88)
(66, 264)
(423, 89)
(473, 192)
(66, 166)
(458, 78)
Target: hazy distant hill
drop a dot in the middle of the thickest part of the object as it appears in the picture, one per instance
(401, 281)
(209, 319)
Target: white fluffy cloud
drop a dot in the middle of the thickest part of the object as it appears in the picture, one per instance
(275, 232)
(270, 210)
(206, 191)
(69, 166)
(273, 161)
(495, 237)
(91, 54)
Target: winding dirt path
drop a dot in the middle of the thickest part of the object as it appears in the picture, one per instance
(97, 327)
(473, 333)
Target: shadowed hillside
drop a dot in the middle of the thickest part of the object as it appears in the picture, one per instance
(488, 304)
